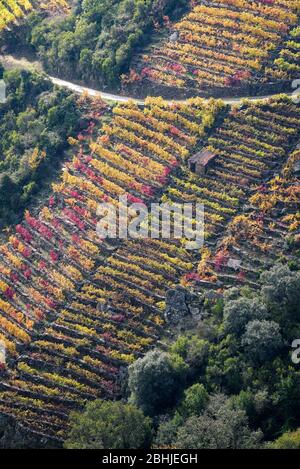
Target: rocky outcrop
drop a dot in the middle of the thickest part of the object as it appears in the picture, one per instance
(182, 303)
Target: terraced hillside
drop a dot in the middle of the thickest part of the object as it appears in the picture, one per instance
(76, 311)
(12, 11)
(71, 317)
(224, 44)
(287, 64)
(268, 232)
(254, 146)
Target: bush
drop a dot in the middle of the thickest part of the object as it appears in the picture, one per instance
(109, 425)
(193, 350)
(195, 399)
(289, 440)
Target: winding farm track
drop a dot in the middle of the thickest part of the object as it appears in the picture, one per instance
(81, 89)
(11, 61)
(122, 99)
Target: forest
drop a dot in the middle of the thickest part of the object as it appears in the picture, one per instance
(35, 122)
(230, 385)
(97, 41)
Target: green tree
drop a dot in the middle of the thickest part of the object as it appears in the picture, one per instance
(167, 430)
(109, 425)
(237, 313)
(193, 350)
(225, 366)
(281, 290)
(262, 341)
(155, 381)
(220, 427)
(195, 399)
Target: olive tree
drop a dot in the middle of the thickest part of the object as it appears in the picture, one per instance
(281, 289)
(237, 313)
(262, 340)
(220, 427)
(109, 425)
(154, 381)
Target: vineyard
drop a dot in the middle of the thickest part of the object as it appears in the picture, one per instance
(287, 65)
(126, 319)
(12, 11)
(233, 47)
(75, 310)
(266, 228)
(223, 44)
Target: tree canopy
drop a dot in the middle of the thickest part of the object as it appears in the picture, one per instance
(35, 122)
(110, 425)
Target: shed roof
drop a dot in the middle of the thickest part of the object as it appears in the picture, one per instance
(203, 157)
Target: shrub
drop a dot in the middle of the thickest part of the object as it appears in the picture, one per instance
(110, 425)
(220, 427)
(289, 440)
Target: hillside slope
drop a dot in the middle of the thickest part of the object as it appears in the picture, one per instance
(220, 48)
(76, 311)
